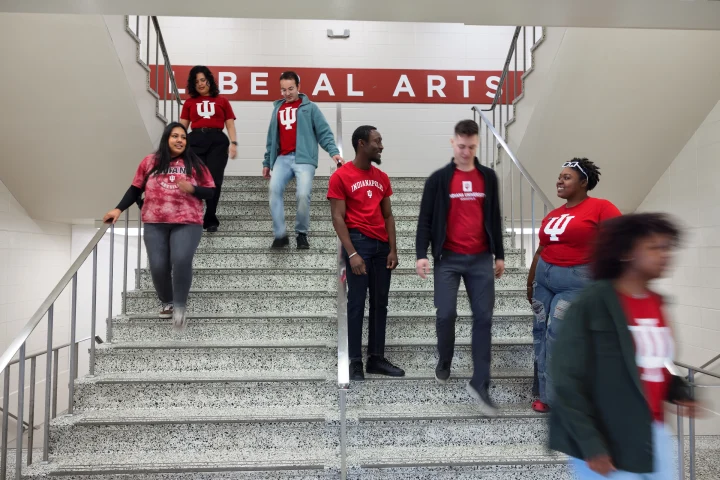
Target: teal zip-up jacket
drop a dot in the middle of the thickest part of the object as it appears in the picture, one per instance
(312, 128)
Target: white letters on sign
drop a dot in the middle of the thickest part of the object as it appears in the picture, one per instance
(255, 82)
(492, 84)
(323, 84)
(351, 92)
(228, 83)
(466, 79)
(403, 85)
(433, 87)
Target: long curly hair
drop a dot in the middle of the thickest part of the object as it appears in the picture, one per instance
(214, 90)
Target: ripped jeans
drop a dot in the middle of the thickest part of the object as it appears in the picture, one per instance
(554, 288)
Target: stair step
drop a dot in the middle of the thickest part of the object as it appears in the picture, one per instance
(291, 258)
(235, 208)
(320, 182)
(285, 356)
(293, 278)
(241, 194)
(311, 463)
(321, 328)
(305, 302)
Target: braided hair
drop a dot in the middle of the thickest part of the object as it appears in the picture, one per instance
(588, 170)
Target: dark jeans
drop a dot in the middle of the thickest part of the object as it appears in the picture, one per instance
(170, 248)
(377, 281)
(478, 274)
(212, 147)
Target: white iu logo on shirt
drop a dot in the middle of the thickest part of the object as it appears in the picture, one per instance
(556, 226)
(369, 193)
(653, 346)
(288, 117)
(467, 186)
(206, 109)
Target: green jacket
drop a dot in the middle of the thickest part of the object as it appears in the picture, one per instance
(599, 405)
(312, 128)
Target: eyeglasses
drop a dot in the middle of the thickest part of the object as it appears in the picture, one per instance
(575, 165)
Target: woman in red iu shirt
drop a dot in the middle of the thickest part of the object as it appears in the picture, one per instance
(560, 270)
(175, 182)
(207, 112)
(614, 356)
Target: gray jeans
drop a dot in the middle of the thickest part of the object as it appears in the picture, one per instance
(170, 248)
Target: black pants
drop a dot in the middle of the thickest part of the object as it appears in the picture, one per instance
(478, 274)
(212, 147)
(377, 281)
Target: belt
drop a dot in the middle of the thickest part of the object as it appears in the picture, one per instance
(207, 129)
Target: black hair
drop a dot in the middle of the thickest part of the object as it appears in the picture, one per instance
(163, 155)
(214, 90)
(290, 75)
(361, 133)
(618, 236)
(592, 172)
(467, 128)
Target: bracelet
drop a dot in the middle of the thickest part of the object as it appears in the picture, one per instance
(234, 143)
(352, 255)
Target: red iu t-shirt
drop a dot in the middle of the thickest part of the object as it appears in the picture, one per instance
(465, 232)
(653, 347)
(287, 126)
(207, 112)
(568, 233)
(362, 190)
(164, 201)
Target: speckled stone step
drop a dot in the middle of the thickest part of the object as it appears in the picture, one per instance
(229, 208)
(299, 279)
(453, 462)
(306, 302)
(318, 223)
(248, 358)
(318, 240)
(421, 388)
(319, 182)
(144, 328)
(69, 435)
(201, 464)
(205, 390)
(318, 195)
(313, 258)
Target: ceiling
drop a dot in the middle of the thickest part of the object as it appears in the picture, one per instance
(663, 14)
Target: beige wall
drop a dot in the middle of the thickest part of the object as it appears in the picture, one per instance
(689, 190)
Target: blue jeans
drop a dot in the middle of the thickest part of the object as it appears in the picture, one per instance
(283, 171)
(478, 274)
(377, 282)
(663, 459)
(554, 289)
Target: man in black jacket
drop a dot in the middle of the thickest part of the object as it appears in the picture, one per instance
(460, 218)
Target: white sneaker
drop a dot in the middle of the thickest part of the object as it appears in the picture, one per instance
(179, 319)
(487, 406)
(166, 311)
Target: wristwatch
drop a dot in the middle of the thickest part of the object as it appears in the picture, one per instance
(234, 143)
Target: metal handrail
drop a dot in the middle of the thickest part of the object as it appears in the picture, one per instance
(168, 68)
(514, 158)
(710, 362)
(39, 314)
(343, 380)
(506, 69)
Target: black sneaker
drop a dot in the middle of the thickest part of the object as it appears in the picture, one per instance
(487, 406)
(280, 242)
(302, 242)
(381, 366)
(212, 229)
(356, 371)
(442, 372)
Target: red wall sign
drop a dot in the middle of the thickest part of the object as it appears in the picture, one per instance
(358, 85)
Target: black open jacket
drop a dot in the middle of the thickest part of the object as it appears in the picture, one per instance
(432, 222)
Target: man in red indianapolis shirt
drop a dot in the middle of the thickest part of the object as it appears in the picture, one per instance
(359, 195)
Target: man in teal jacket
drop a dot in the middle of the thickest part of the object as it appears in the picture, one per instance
(296, 127)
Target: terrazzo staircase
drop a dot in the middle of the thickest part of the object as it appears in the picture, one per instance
(249, 389)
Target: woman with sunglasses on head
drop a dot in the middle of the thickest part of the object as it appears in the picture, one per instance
(559, 269)
(613, 359)
(206, 113)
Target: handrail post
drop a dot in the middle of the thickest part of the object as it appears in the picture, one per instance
(48, 383)
(93, 313)
(20, 414)
(5, 424)
(691, 430)
(73, 347)
(681, 444)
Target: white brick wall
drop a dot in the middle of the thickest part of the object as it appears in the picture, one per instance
(689, 190)
(416, 137)
(33, 257)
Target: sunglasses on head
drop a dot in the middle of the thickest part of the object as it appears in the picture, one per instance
(575, 165)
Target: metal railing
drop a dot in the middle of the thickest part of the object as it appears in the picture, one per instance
(342, 320)
(523, 211)
(692, 372)
(153, 56)
(510, 84)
